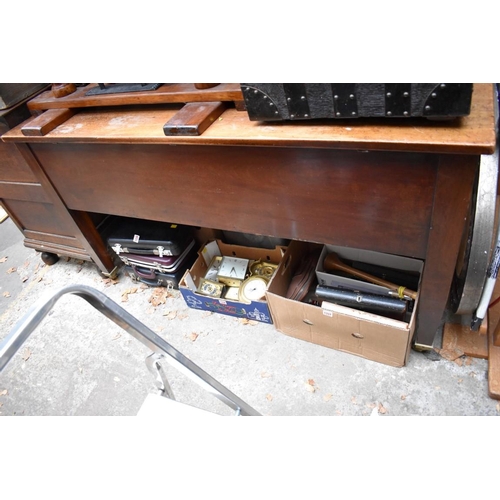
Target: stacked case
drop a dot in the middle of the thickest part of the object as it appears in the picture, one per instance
(154, 253)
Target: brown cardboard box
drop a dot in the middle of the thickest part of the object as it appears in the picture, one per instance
(342, 328)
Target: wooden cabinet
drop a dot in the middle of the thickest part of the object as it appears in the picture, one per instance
(31, 202)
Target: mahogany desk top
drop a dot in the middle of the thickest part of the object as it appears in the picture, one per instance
(474, 134)
(396, 186)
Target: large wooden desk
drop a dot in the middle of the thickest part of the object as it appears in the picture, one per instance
(402, 187)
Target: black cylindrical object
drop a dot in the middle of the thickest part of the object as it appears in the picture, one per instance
(362, 300)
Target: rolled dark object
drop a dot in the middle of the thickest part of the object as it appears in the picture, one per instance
(363, 300)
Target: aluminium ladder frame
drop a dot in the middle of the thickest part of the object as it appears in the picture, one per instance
(161, 348)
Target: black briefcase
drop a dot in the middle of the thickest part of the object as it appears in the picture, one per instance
(146, 237)
(160, 271)
(169, 264)
(310, 101)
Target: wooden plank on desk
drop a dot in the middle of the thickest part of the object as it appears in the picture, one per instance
(46, 122)
(194, 118)
(167, 93)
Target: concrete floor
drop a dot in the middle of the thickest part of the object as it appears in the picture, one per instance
(79, 363)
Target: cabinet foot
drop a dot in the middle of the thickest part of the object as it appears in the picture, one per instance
(112, 274)
(422, 347)
(49, 258)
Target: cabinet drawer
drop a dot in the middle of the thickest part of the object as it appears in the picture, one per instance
(40, 218)
(57, 248)
(12, 165)
(55, 239)
(23, 191)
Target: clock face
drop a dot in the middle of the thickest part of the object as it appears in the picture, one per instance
(264, 269)
(232, 293)
(253, 288)
(210, 288)
(213, 269)
(233, 267)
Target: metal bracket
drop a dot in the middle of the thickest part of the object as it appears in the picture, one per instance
(422, 347)
(161, 381)
(398, 99)
(261, 102)
(117, 248)
(112, 274)
(345, 100)
(438, 101)
(296, 100)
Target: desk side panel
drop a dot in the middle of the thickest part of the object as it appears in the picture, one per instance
(28, 205)
(12, 166)
(378, 201)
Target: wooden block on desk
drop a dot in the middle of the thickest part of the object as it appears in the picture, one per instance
(202, 86)
(194, 118)
(471, 343)
(44, 123)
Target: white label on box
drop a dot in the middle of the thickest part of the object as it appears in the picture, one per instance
(136, 238)
(328, 313)
(212, 271)
(209, 251)
(190, 282)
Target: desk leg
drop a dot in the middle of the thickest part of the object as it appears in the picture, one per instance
(452, 197)
(95, 244)
(82, 227)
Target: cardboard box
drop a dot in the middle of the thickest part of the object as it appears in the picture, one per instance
(256, 310)
(370, 336)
